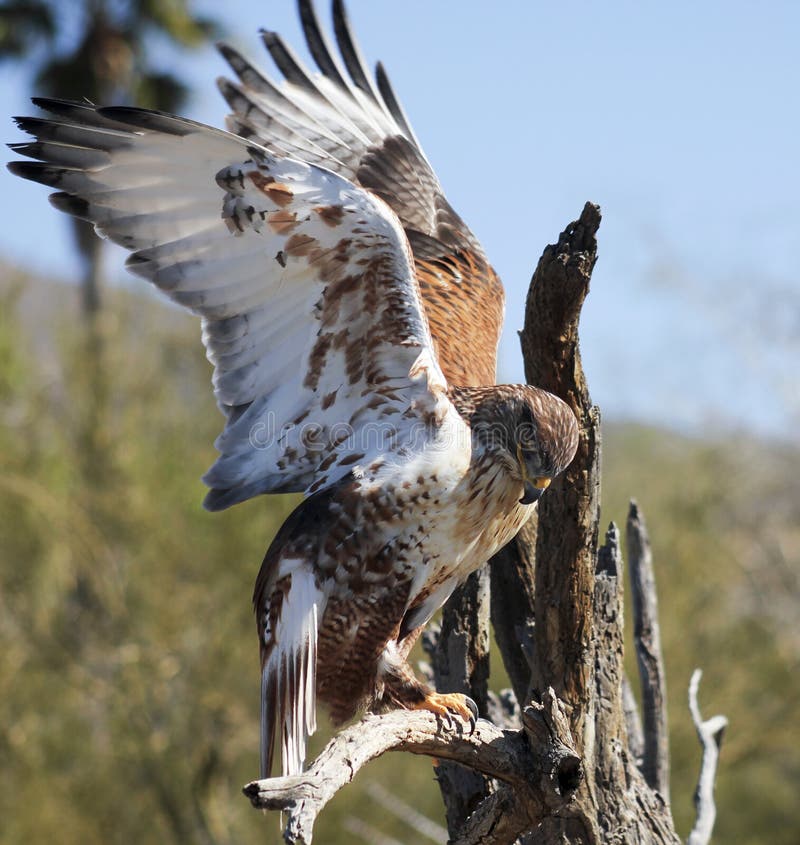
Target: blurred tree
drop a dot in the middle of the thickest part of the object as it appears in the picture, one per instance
(98, 50)
(122, 696)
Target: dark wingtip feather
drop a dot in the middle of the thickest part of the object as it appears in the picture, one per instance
(227, 88)
(70, 204)
(117, 118)
(236, 61)
(138, 264)
(396, 110)
(31, 149)
(269, 37)
(318, 44)
(221, 499)
(350, 51)
(57, 104)
(249, 75)
(151, 119)
(214, 501)
(26, 123)
(38, 171)
(287, 62)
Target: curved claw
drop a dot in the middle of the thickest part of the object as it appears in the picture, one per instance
(473, 709)
(447, 718)
(448, 705)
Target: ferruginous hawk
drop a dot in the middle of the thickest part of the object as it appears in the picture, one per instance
(352, 320)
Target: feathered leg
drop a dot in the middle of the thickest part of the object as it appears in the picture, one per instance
(403, 689)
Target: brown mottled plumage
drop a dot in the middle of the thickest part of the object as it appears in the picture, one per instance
(368, 540)
(352, 320)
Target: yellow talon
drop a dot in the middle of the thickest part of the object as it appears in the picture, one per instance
(446, 704)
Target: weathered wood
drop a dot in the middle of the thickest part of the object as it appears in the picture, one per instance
(534, 771)
(647, 641)
(460, 662)
(710, 734)
(512, 602)
(574, 772)
(578, 629)
(566, 540)
(499, 818)
(556, 595)
(625, 804)
(606, 707)
(633, 723)
(566, 535)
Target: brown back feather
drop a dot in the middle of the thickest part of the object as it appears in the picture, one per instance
(462, 295)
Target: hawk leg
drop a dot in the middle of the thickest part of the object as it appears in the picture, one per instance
(402, 688)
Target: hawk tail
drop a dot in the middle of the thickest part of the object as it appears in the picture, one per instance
(289, 666)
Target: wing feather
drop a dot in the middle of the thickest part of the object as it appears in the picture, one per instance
(342, 119)
(351, 52)
(304, 282)
(318, 44)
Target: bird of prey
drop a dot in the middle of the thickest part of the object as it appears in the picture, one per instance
(352, 320)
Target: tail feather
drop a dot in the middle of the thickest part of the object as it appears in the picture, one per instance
(268, 702)
(289, 669)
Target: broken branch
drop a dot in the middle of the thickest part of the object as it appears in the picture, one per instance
(710, 733)
(538, 762)
(647, 640)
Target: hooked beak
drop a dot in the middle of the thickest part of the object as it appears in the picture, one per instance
(532, 487)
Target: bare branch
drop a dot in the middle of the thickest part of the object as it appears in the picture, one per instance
(633, 722)
(556, 553)
(647, 640)
(498, 819)
(538, 763)
(710, 733)
(406, 813)
(567, 529)
(367, 833)
(504, 709)
(557, 607)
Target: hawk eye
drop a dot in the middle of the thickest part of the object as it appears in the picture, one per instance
(526, 437)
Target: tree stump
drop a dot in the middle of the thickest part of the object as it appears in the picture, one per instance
(569, 760)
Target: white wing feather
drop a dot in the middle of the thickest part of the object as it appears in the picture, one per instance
(311, 311)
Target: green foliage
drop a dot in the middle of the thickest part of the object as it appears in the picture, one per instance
(128, 654)
(723, 516)
(109, 56)
(106, 52)
(22, 24)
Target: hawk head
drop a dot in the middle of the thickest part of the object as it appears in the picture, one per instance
(546, 439)
(533, 433)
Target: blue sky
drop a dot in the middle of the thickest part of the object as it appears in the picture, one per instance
(681, 120)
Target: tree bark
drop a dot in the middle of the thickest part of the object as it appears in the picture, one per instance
(460, 659)
(579, 769)
(536, 765)
(647, 641)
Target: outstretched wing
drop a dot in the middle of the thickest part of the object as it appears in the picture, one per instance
(311, 310)
(342, 120)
